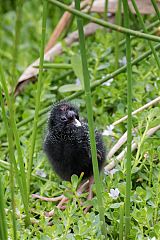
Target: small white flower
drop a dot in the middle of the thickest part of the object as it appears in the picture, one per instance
(114, 193)
(108, 131)
(78, 82)
(108, 83)
(154, 238)
(149, 87)
(111, 172)
(41, 173)
(123, 61)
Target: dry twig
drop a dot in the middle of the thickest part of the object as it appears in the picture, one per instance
(62, 24)
(31, 73)
(151, 103)
(118, 158)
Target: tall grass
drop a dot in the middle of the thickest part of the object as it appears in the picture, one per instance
(11, 121)
(118, 20)
(106, 10)
(88, 98)
(129, 122)
(19, 5)
(121, 218)
(38, 95)
(156, 8)
(11, 169)
(3, 222)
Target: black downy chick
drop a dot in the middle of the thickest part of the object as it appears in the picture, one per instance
(67, 143)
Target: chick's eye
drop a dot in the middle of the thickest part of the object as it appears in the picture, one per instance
(63, 118)
(77, 116)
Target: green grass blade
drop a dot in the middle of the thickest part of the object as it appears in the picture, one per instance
(90, 119)
(156, 8)
(129, 122)
(121, 213)
(118, 19)
(12, 123)
(38, 95)
(10, 102)
(106, 10)
(11, 156)
(19, 5)
(55, 66)
(3, 222)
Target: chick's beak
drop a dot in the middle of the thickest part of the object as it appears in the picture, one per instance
(71, 116)
(77, 123)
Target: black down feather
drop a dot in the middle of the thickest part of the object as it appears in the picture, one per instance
(67, 143)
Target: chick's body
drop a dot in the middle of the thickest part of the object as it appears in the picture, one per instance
(67, 144)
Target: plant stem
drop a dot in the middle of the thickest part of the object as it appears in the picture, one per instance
(5, 165)
(19, 5)
(129, 122)
(106, 10)
(118, 19)
(12, 123)
(156, 8)
(157, 189)
(121, 222)
(11, 169)
(38, 95)
(3, 222)
(13, 131)
(55, 66)
(151, 157)
(106, 24)
(90, 119)
(149, 27)
(137, 159)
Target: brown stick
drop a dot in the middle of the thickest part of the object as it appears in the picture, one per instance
(61, 26)
(55, 199)
(151, 103)
(118, 158)
(31, 73)
(64, 21)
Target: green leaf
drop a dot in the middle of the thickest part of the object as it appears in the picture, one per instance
(69, 195)
(116, 205)
(154, 113)
(77, 68)
(74, 181)
(69, 88)
(154, 122)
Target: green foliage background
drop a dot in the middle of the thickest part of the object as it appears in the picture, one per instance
(109, 104)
